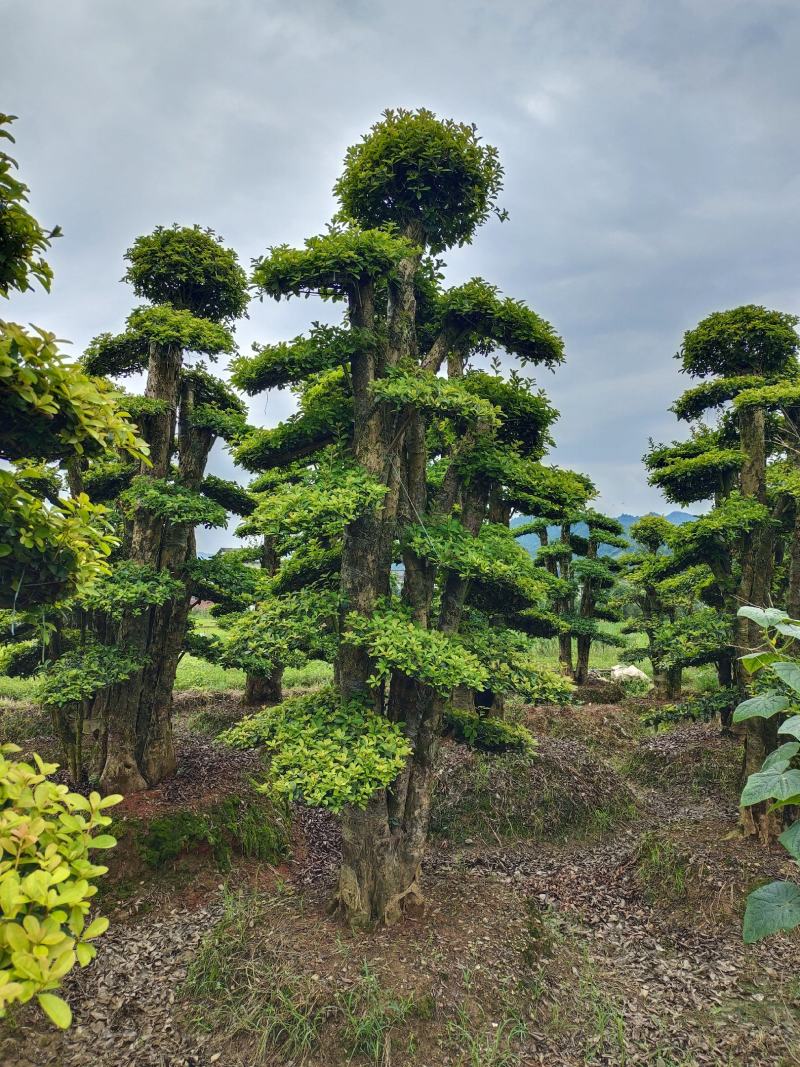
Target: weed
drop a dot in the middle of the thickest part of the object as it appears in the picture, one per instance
(661, 868)
(482, 1043)
(251, 825)
(239, 987)
(370, 1015)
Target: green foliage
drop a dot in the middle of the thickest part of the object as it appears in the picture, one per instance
(396, 643)
(493, 557)
(480, 321)
(80, 674)
(332, 265)
(283, 630)
(46, 552)
(46, 834)
(423, 175)
(512, 661)
(275, 366)
(690, 640)
(699, 477)
(250, 825)
(229, 495)
(487, 732)
(743, 341)
(712, 394)
(22, 240)
(224, 578)
(527, 414)
(776, 906)
(335, 494)
(425, 391)
(51, 409)
(326, 414)
(187, 266)
(325, 752)
(705, 707)
(129, 588)
(785, 394)
(173, 502)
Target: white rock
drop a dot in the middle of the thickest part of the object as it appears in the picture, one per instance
(621, 674)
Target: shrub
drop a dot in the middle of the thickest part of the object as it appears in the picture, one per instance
(46, 833)
(487, 732)
(701, 708)
(323, 751)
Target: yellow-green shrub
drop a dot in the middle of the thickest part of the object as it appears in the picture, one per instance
(46, 833)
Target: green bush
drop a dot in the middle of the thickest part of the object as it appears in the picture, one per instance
(487, 732)
(323, 751)
(46, 833)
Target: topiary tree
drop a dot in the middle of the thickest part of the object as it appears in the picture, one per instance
(748, 358)
(132, 625)
(680, 632)
(412, 469)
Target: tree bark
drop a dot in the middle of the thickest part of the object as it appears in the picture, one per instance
(263, 689)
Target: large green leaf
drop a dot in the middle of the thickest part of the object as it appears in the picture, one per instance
(762, 706)
(780, 759)
(754, 661)
(789, 673)
(770, 909)
(770, 785)
(788, 629)
(790, 839)
(58, 1009)
(763, 616)
(791, 727)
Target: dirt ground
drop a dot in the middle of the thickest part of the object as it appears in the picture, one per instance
(615, 942)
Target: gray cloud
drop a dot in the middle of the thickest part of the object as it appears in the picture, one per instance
(650, 150)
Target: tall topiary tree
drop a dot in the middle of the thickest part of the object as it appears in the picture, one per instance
(196, 289)
(413, 466)
(747, 358)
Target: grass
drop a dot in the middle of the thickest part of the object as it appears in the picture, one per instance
(481, 1043)
(371, 1014)
(661, 868)
(238, 986)
(243, 986)
(250, 825)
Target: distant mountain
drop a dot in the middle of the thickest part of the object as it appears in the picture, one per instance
(531, 541)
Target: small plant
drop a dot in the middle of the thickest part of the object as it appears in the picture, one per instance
(776, 906)
(46, 834)
(488, 732)
(251, 825)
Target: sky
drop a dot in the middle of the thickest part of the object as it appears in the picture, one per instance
(651, 153)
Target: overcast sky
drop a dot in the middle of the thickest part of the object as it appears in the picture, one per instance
(651, 151)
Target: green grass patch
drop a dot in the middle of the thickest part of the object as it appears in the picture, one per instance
(251, 825)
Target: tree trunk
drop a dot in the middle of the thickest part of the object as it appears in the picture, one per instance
(137, 744)
(264, 689)
(582, 663)
(667, 682)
